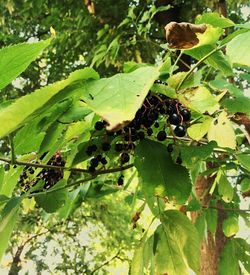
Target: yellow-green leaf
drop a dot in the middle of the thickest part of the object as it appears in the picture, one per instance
(230, 226)
(238, 49)
(16, 114)
(199, 100)
(117, 99)
(15, 59)
(214, 19)
(210, 36)
(225, 189)
(8, 219)
(221, 131)
(199, 130)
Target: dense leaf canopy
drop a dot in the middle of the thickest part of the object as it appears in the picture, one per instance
(121, 152)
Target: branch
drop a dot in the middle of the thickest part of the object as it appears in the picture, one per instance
(106, 263)
(14, 268)
(94, 175)
(80, 170)
(226, 209)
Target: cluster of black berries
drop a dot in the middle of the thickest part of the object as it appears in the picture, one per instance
(50, 176)
(158, 117)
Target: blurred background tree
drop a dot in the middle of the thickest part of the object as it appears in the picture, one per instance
(105, 35)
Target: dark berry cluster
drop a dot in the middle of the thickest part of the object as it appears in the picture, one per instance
(49, 176)
(158, 117)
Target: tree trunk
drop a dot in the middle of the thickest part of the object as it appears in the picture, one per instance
(212, 246)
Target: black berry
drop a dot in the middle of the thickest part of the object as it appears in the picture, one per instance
(99, 157)
(103, 161)
(119, 147)
(180, 131)
(156, 125)
(124, 158)
(186, 115)
(93, 148)
(174, 119)
(161, 135)
(141, 135)
(94, 162)
(99, 125)
(170, 148)
(120, 180)
(149, 132)
(106, 146)
(179, 160)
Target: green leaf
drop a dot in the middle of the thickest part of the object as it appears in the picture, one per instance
(214, 19)
(221, 131)
(210, 36)
(177, 248)
(15, 59)
(211, 219)
(245, 185)
(17, 113)
(76, 112)
(230, 226)
(240, 104)
(198, 130)
(8, 219)
(53, 134)
(193, 205)
(200, 224)
(159, 174)
(73, 201)
(52, 201)
(78, 129)
(3, 200)
(1, 177)
(235, 251)
(131, 66)
(228, 255)
(244, 160)
(137, 265)
(238, 49)
(164, 89)
(117, 99)
(192, 81)
(232, 35)
(10, 180)
(225, 189)
(28, 139)
(217, 60)
(199, 100)
(192, 154)
(243, 252)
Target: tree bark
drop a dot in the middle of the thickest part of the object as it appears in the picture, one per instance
(211, 246)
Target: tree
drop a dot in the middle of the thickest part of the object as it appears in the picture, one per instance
(86, 129)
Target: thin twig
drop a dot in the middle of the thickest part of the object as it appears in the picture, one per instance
(12, 150)
(175, 63)
(106, 263)
(197, 64)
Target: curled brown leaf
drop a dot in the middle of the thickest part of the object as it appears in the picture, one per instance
(183, 35)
